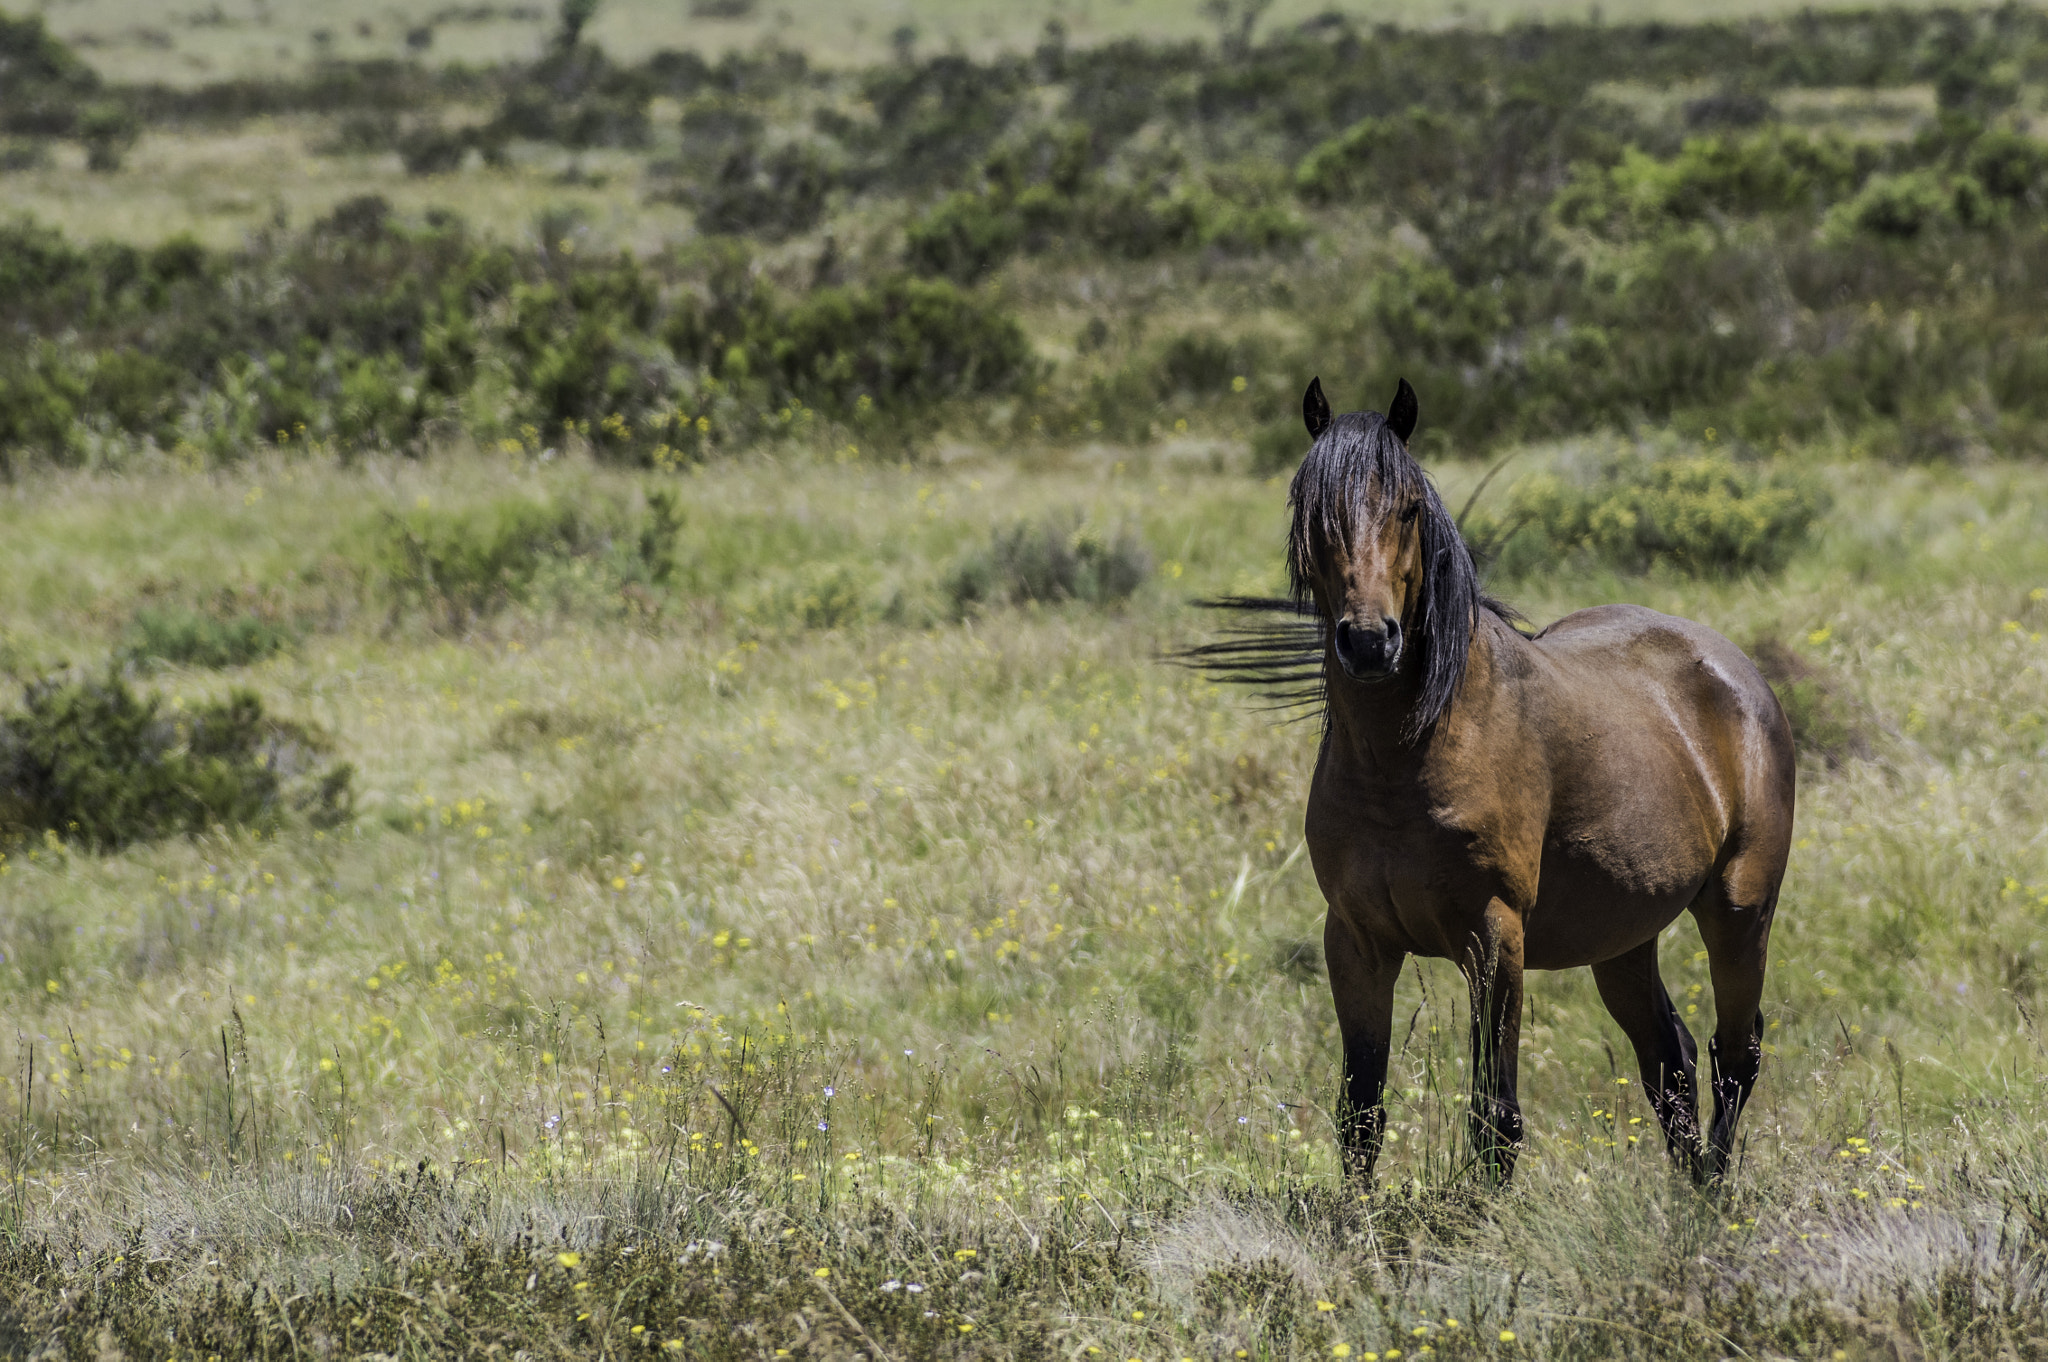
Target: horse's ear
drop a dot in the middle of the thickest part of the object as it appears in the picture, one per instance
(1402, 411)
(1315, 408)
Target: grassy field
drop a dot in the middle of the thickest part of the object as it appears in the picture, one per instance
(251, 38)
(773, 908)
(586, 765)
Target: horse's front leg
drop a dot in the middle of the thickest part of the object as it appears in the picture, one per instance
(1362, 979)
(1492, 967)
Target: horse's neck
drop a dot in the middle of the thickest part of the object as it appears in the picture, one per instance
(1366, 722)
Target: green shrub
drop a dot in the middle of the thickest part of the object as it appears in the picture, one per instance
(1824, 721)
(1902, 206)
(1767, 171)
(1376, 158)
(467, 563)
(903, 343)
(94, 762)
(193, 638)
(814, 596)
(430, 149)
(964, 237)
(1278, 445)
(1055, 558)
(772, 194)
(1701, 513)
(2010, 165)
(42, 395)
(1199, 363)
(715, 125)
(108, 130)
(1425, 315)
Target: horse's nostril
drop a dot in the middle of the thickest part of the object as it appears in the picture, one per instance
(1392, 628)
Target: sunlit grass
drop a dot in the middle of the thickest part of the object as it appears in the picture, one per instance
(1000, 922)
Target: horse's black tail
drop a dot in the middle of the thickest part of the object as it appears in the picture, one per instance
(1273, 645)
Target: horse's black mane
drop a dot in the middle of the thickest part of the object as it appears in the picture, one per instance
(1357, 471)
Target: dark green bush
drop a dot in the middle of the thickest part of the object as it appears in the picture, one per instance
(108, 130)
(1903, 206)
(194, 638)
(1701, 513)
(767, 193)
(902, 344)
(1278, 446)
(716, 125)
(430, 149)
(1380, 158)
(1058, 557)
(94, 762)
(42, 396)
(964, 237)
(466, 563)
(1825, 721)
(2010, 166)
(1200, 364)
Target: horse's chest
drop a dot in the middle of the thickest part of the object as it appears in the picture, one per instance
(1397, 875)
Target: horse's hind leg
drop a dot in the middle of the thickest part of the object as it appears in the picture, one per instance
(1666, 1054)
(1734, 916)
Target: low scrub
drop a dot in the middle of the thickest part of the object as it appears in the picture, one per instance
(1054, 558)
(1826, 722)
(196, 638)
(1697, 513)
(90, 760)
(465, 563)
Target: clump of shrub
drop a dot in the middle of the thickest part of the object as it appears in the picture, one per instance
(94, 762)
(1700, 513)
(1050, 559)
(767, 193)
(813, 596)
(1766, 171)
(2011, 166)
(1824, 721)
(467, 563)
(1903, 206)
(195, 638)
(1382, 157)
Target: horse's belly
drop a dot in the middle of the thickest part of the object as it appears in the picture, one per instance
(1593, 904)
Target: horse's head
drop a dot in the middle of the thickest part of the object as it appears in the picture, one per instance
(1373, 550)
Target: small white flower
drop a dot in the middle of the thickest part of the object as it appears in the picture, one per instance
(830, 1090)
(913, 1287)
(892, 1285)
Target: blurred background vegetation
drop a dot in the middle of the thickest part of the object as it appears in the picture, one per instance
(1814, 229)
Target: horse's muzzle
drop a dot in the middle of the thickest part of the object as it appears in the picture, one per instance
(1369, 654)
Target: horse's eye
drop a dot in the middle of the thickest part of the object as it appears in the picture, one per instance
(1414, 510)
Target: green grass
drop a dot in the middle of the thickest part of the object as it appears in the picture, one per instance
(639, 868)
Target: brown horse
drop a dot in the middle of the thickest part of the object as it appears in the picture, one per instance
(1511, 801)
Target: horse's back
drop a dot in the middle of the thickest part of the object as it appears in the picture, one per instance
(1669, 756)
(1615, 650)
